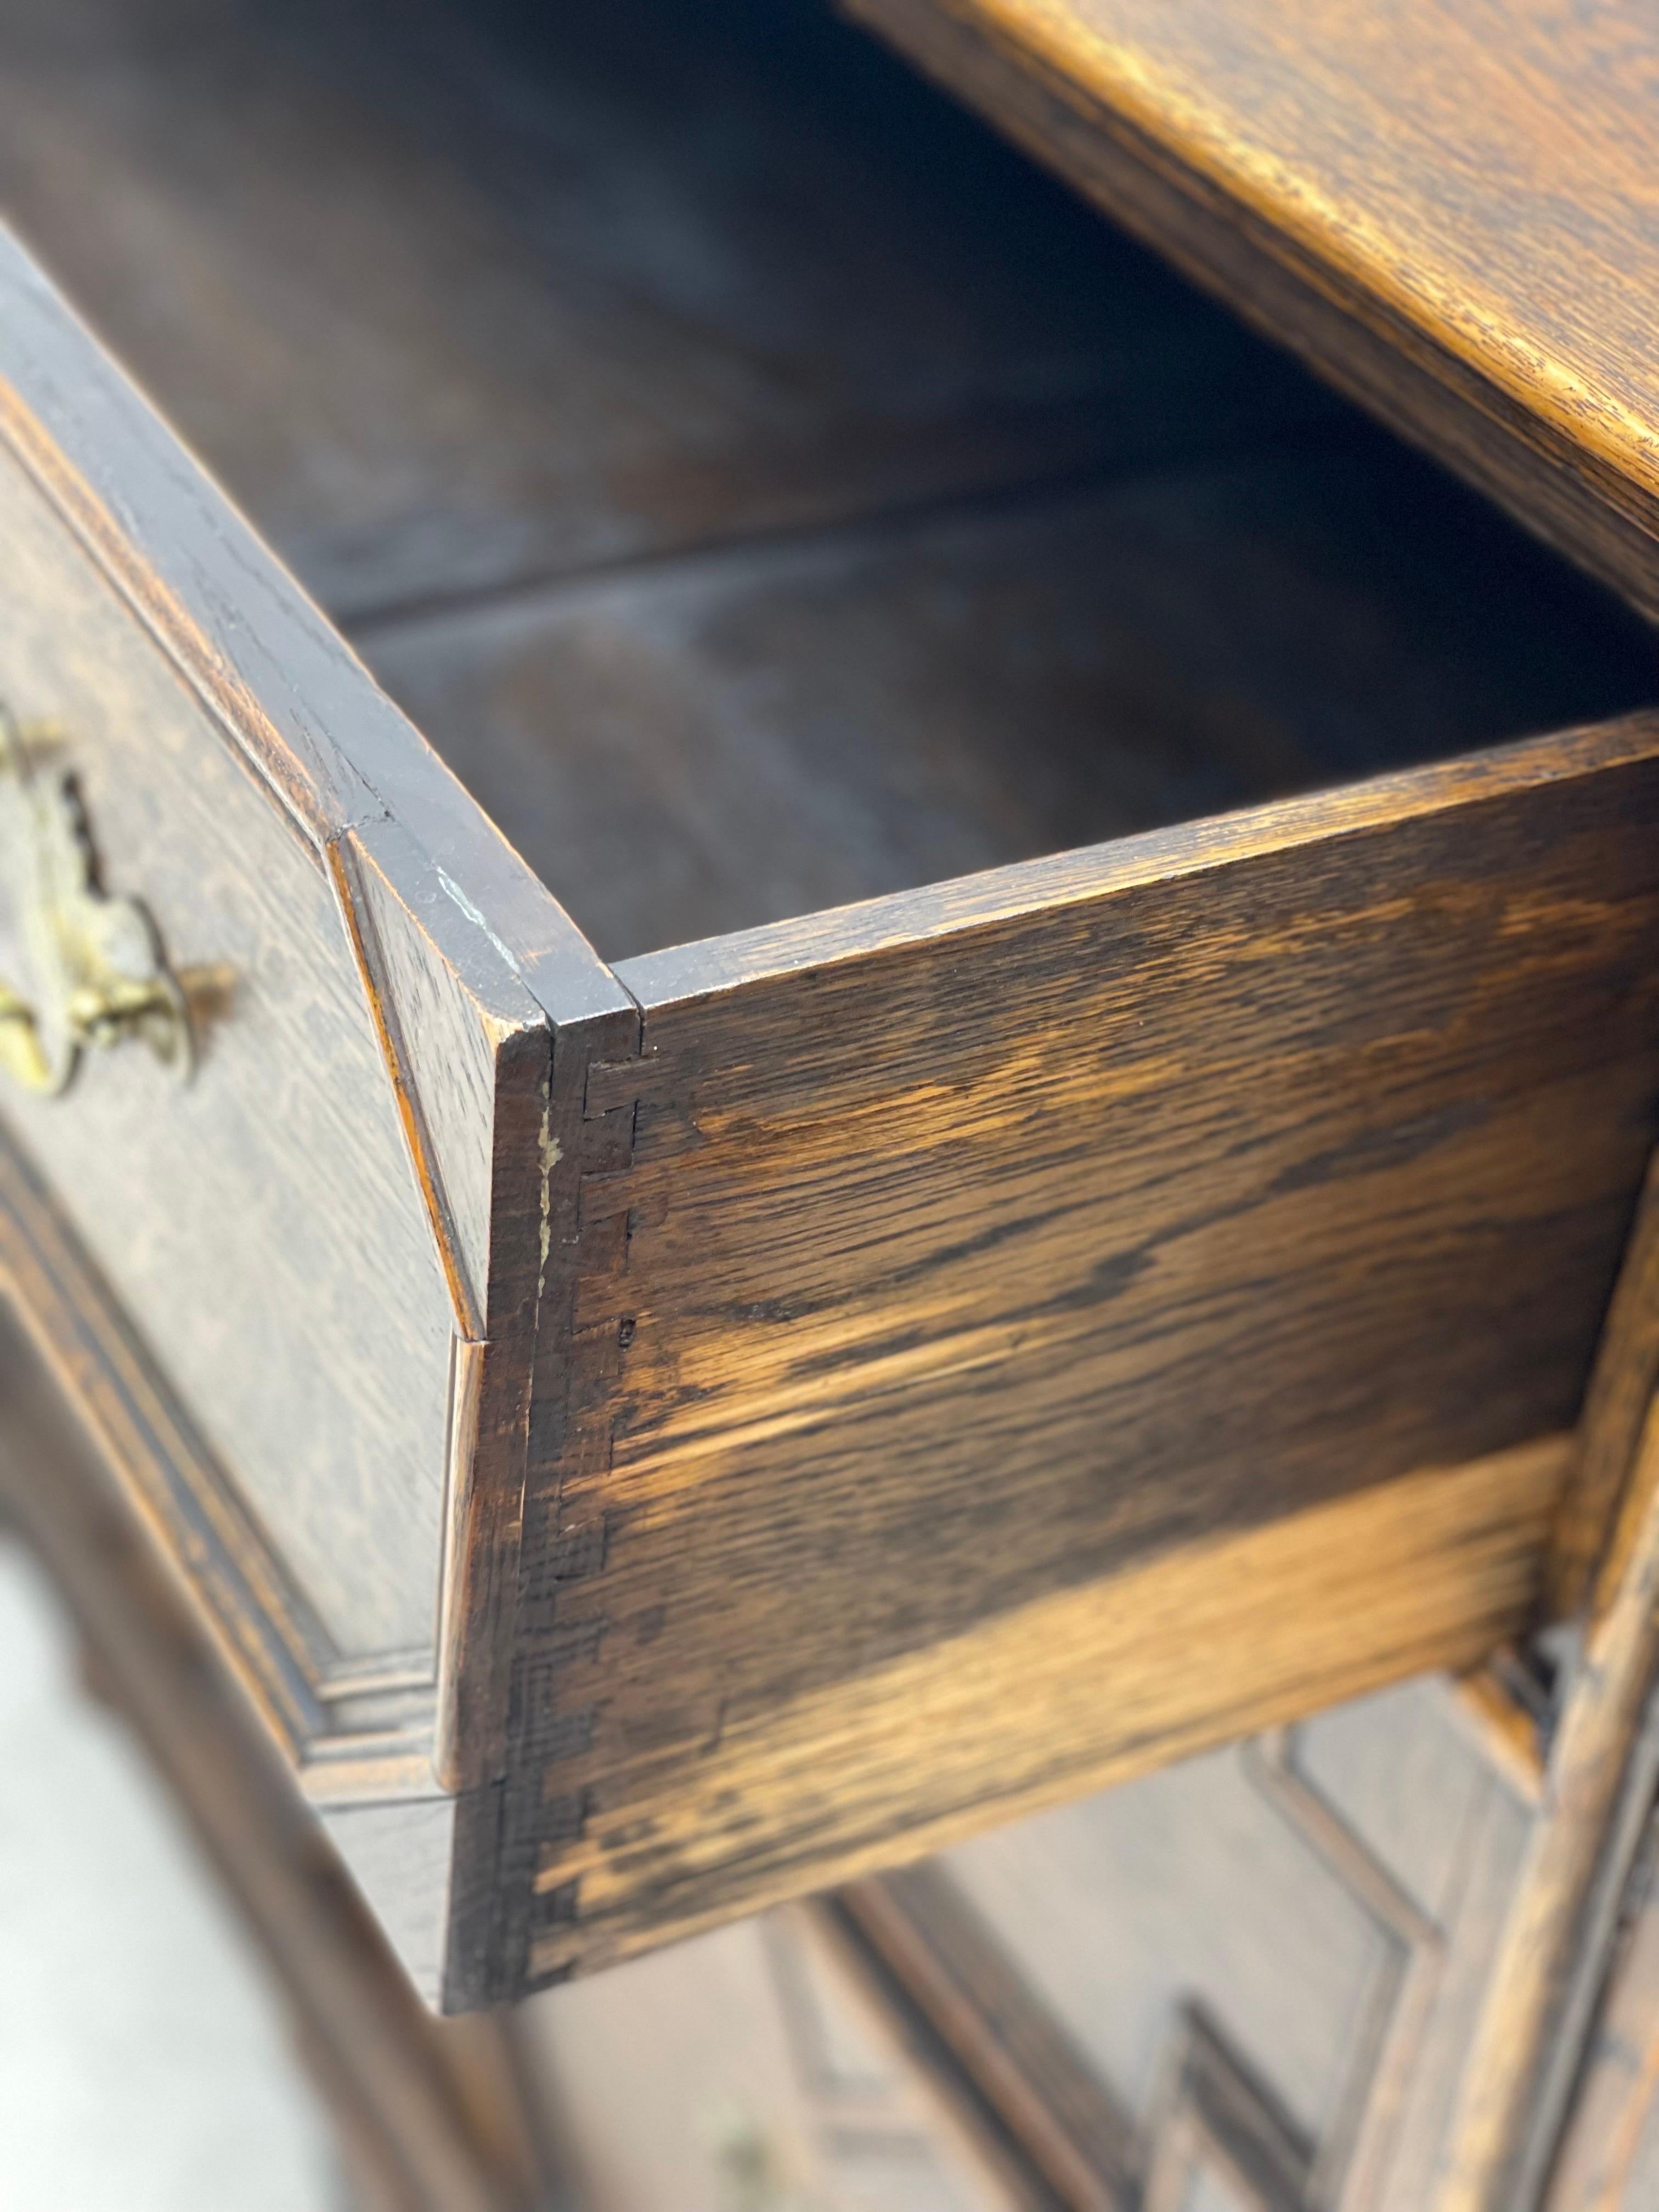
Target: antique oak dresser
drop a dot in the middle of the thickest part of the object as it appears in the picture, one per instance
(980, 1126)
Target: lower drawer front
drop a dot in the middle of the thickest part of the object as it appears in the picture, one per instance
(1271, 1962)
(762, 2067)
(1249, 1983)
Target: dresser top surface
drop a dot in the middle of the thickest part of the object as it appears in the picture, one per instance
(1479, 172)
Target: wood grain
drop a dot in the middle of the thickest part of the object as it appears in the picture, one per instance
(289, 1130)
(1332, 1897)
(288, 699)
(330, 1249)
(1330, 1121)
(1217, 1640)
(1622, 1387)
(1445, 208)
(172, 1481)
(986, 1340)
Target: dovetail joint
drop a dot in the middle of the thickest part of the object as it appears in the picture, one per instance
(570, 1531)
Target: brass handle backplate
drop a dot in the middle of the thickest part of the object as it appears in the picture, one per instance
(97, 976)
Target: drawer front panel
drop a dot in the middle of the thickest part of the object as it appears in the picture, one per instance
(295, 1294)
(260, 1221)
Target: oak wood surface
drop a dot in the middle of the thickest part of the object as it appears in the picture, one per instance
(288, 698)
(1445, 207)
(1332, 1903)
(1616, 1402)
(983, 1261)
(1221, 1638)
(290, 1129)
(559, 315)
(158, 631)
(1330, 1897)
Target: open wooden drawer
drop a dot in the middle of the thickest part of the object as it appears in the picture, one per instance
(663, 1431)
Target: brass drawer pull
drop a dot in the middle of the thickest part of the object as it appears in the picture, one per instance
(98, 974)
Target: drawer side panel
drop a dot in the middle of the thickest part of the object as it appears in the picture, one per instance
(1022, 1310)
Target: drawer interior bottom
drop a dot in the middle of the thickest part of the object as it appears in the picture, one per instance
(765, 488)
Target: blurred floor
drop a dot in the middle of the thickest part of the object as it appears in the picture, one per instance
(143, 2066)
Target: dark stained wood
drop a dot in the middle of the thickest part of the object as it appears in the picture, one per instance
(429, 1050)
(711, 743)
(461, 291)
(1008, 1287)
(537, 1544)
(1444, 206)
(761, 1800)
(480, 361)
